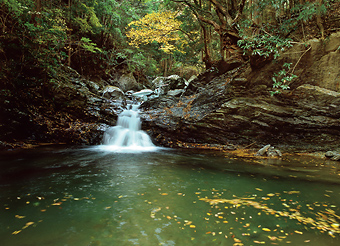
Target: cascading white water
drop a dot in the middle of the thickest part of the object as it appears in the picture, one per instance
(127, 134)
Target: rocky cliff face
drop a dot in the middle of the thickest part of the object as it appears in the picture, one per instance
(227, 110)
(236, 108)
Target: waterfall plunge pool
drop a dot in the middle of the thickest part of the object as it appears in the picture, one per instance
(88, 196)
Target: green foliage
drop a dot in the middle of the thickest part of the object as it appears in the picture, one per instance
(15, 7)
(282, 79)
(87, 44)
(89, 21)
(265, 45)
(270, 45)
(93, 32)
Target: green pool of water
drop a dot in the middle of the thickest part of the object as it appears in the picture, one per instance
(87, 196)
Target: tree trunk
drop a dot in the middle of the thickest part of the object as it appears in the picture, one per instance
(37, 14)
(207, 55)
(319, 20)
(70, 42)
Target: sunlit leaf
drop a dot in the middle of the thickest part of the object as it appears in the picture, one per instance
(16, 232)
(56, 204)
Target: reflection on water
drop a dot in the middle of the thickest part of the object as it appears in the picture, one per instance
(95, 197)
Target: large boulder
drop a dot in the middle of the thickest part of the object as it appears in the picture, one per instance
(127, 82)
(113, 92)
(162, 85)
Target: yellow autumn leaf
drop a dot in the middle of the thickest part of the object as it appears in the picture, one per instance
(160, 27)
(56, 203)
(266, 229)
(16, 232)
(29, 223)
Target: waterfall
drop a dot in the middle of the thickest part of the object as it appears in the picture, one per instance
(127, 134)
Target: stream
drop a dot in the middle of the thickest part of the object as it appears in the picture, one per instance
(94, 196)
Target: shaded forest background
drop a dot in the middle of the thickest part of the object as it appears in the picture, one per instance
(42, 41)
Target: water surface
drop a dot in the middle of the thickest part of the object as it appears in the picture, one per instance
(92, 196)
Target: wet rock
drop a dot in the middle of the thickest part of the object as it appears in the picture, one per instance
(263, 150)
(330, 154)
(143, 94)
(269, 150)
(336, 157)
(164, 84)
(176, 92)
(127, 82)
(113, 92)
(333, 155)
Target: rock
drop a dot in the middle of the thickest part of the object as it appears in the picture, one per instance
(263, 150)
(330, 154)
(161, 85)
(113, 92)
(336, 157)
(333, 42)
(192, 78)
(269, 150)
(176, 92)
(333, 155)
(143, 94)
(127, 82)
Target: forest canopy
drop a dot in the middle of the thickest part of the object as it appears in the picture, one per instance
(150, 36)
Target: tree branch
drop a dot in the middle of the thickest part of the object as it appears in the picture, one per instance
(240, 11)
(222, 9)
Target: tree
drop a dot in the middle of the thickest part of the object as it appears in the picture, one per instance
(162, 28)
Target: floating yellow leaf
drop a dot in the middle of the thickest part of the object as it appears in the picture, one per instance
(192, 226)
(56, 203)
(270, 194)
(237, 240)
(16, 232)
(29, 223)
(335, 225)
(298, 232)
(272, 238)
(266, 229)
(258, 189)
(164, 194)
(19, 217)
